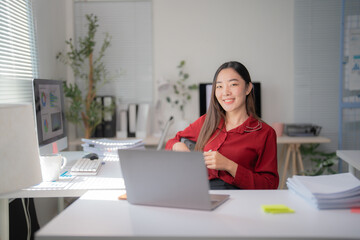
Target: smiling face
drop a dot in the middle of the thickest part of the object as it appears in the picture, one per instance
(231, 91)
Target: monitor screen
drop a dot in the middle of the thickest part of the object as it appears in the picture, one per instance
(205, 96)
(50, 115)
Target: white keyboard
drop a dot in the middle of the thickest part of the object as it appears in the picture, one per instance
(85, 166)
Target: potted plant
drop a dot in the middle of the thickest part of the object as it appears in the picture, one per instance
(91, 69)
(181, 90)
(323, 161)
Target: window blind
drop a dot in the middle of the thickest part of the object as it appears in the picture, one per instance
(129, 58)
(316, 70)
(17, 51)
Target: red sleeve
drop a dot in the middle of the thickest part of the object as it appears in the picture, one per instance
(191, 133)
(265, 174)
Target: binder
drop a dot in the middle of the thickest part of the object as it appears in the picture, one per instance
(142, 120)
(123, 124)
(109, 120)
(99, 130)
(107, 127)
(132, 114)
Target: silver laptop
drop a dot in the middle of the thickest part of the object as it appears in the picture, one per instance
(168, 179)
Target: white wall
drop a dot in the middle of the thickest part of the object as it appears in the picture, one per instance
(206, 33)
(50, 36)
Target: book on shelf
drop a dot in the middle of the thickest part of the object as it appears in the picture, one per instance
(327, 191)
(109, 118)
(123, 123)
(142, 120)
(133, 120)
(107, 127)
(132, 113)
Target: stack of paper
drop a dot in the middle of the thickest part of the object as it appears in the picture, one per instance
(108, 148)
(328, 191)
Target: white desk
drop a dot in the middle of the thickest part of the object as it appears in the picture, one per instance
(352, 157)
(241, 217)
(293, 148)
(109, 177)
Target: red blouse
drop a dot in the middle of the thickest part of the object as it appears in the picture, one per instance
(252, 145)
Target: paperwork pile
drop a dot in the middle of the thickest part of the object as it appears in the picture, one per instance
(108, 148)
(328, 191)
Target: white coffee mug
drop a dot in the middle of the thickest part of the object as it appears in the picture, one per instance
(51, 165)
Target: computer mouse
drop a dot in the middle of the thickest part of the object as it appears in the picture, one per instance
(91, 156)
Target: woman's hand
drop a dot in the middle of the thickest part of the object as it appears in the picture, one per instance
(180, 147)
(215, 160)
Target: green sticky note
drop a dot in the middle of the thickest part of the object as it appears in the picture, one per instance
(276, 208)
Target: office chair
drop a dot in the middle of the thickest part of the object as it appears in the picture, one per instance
(190, 144)
(164, 133)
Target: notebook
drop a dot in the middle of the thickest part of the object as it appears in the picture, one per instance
(168, 179)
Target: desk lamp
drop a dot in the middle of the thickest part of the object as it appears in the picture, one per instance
(19, 160)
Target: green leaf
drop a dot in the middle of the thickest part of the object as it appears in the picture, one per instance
(193, 87)
(323, 161)
(319, 172)
(182, 63)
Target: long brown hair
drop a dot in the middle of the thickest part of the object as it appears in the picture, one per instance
(215, 112)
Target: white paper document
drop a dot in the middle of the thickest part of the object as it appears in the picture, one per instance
(328, 191)
(108, 147)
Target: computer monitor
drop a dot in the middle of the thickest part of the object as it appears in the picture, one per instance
(50, 115)
(205, 96)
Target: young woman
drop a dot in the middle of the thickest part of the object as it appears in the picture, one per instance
(240, 149)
